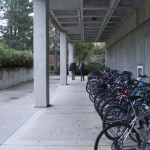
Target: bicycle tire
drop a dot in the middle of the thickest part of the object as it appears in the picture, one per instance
(103, 133)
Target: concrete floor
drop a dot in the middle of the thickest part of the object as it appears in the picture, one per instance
(71, 123)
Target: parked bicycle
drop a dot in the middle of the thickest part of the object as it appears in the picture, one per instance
(123, 105)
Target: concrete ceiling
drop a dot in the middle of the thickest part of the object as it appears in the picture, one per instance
(90, 20)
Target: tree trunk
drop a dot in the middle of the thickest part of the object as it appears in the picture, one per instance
(79, 58)
(11, 18)
(22, 44)
(55, 57)
(15, 32)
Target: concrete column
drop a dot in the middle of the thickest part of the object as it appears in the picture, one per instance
(41, 41)
(63, 58)
(106, 58)
(71, 55)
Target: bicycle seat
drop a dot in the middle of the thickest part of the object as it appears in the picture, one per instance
(132, 98)
(127, 72)
(143, 76)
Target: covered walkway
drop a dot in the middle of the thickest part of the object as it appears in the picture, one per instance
(122, 24)
(71, 123)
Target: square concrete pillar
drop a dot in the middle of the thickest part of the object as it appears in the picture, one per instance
(63, 58)
(41, 44)
(71, 55)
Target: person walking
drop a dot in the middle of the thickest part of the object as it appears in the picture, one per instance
(82, 71)
(73, 69)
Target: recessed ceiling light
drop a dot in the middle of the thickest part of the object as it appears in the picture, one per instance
(94, 18)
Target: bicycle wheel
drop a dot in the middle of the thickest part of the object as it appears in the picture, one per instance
(106, 105)
(88, 87)
(91, 84)
(102, 100)
(109, 96)
(120, 141)
(92, 95)
(113, 114)
(97, 99)
(117, 114)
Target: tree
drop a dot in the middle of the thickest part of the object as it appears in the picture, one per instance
(54, 43)
(85, 51)
(18, 33)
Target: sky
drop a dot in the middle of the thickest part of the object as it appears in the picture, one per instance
(4, 21)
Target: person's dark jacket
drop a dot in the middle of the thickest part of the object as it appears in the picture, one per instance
(82, 69)
(72, 67)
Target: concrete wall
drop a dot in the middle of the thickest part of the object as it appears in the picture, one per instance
(137, 18)
(13, 76)
(129, 46)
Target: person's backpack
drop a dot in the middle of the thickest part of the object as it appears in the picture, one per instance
(70, 67)
(81, 67)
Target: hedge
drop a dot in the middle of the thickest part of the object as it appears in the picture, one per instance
(12, 58)
(89, 67)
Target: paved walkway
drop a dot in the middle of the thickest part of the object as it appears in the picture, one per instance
(71, 123)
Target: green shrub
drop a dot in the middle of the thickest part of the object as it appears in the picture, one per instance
(57, 71)
(88, 68)
(13, 58)
(77, 72)
(51, 68)
(91, 66)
